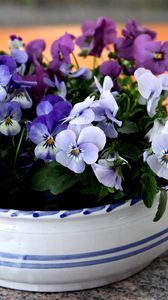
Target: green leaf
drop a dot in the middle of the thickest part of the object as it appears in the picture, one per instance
(129, 151)
(149, 189)
(53, 177)
(128, 127)
(162, 205)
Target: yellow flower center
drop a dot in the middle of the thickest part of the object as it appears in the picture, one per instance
(8, 121)
(76, 151)
(158, 55)
(50, 141)
(165, 156)
(61, 56)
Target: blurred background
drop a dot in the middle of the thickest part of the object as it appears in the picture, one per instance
(53, 12)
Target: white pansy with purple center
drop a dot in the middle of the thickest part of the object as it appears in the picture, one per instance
(158, 161)
(78, 147)
(82, 113)
(10, 115)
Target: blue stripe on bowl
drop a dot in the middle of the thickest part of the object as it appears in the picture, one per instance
(27, 257)
(21, 265)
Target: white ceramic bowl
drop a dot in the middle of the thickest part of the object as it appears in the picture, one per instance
(73, 250)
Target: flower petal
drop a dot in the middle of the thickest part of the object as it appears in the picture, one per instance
(107, 84)
(86, 117)
(45, 152)
(43, 108)
(160, 143)
(89, 152)
(157, 168)
(106, 176)
(94, 135)
(10, 129)
(3, 94)
(37, 133)
(65, 138)
(76, 166)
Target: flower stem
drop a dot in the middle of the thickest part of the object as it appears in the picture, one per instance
(76, 62)
(18, 148)
(94, 62)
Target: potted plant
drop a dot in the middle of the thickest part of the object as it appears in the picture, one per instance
(83, 157)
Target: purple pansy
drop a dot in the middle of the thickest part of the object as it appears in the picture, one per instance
(124, 46)
(96, 35)
(152, 55)
(107, 174)
(54, 102)
(110, 68)
(8, 61)
(158, 161)
(5, 75)
(35, 52)
(43, 131)
(10, 115)
(61, 50)
(134, 29)
(77, 148)
(35, 49)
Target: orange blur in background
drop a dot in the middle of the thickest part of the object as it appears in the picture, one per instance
(51, 33)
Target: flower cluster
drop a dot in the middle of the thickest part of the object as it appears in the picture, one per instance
(70, 133)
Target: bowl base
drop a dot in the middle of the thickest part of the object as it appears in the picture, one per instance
(74, 286)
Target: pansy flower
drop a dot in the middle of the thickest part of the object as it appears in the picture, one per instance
(82, 113)
(124, 45)
(158, 161)
(152, 55)
(51, 102)
(16, 46)
(35, 49)
(61, 50)
(43, 131)
(96, 35)
(107, 174)
(150, 88)
(5, 77)
(59, 85)
(79, 146)
(10, 115)
(106, 108)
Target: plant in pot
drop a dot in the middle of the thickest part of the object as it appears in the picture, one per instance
(83, 157)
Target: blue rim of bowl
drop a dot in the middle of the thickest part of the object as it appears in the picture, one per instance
(61, 214)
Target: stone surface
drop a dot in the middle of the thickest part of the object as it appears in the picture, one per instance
(149, 284)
